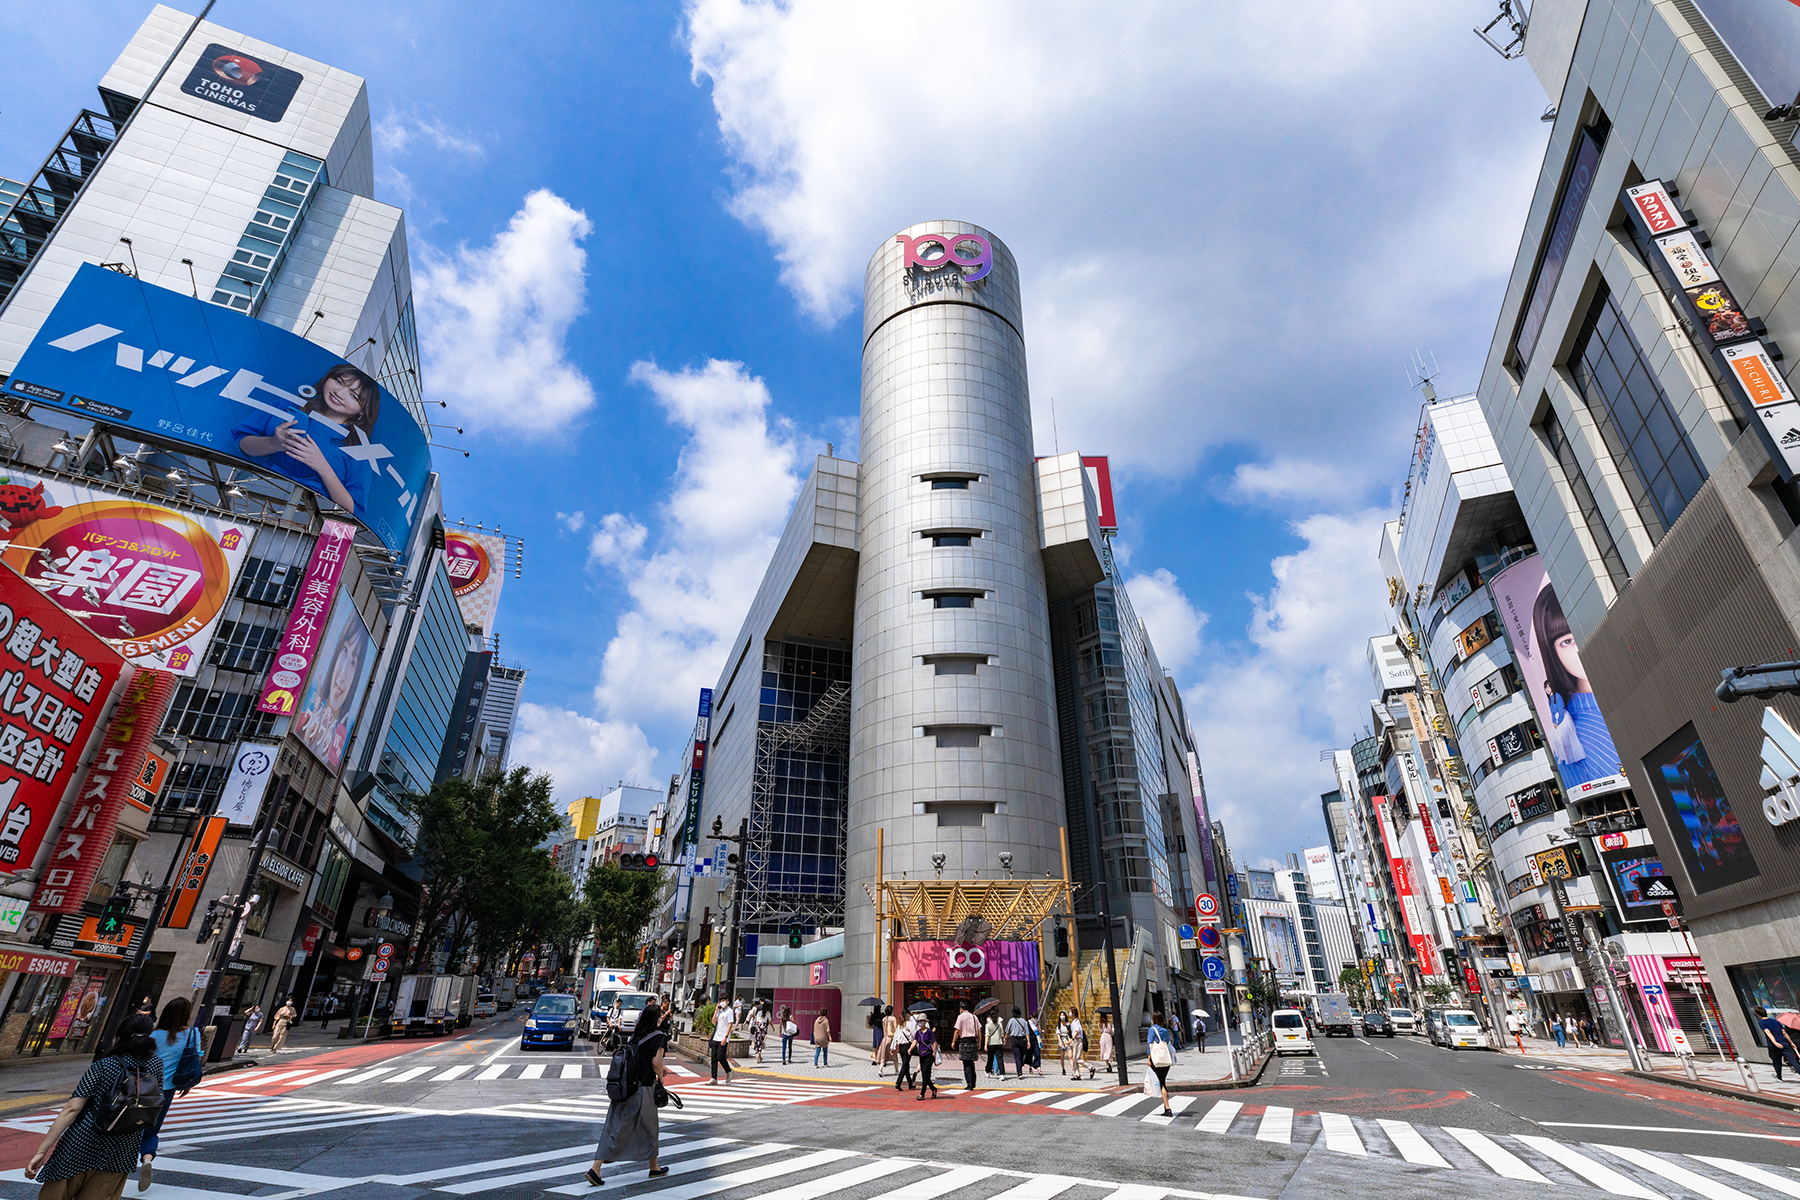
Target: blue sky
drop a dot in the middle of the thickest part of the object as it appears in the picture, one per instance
(639, 233)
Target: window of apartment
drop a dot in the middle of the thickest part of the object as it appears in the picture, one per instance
(263, 581)
(256, 922)
(951, 537)
(1636, 419)
(216, 716)
(270, 233)
(241, 646)
(1558, 442)
(112, 867)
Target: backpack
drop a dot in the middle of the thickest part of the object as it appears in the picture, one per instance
(621, 1072)
(133, 1104)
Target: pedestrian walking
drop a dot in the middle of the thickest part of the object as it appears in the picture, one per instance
(1199, 1018)
(1161, 1048)
(821, 1040)
(925, 1053)
(1556, 1030)
(903, 1052)
(789, 1031)
(995, 1037)
(874, 1022)
(1106, 1043)
(1778, 1040)
(286, 1015)
(631, 1133)
(252, 1022)
(1587, 1032)
(77, 1158)
(1018, 1039)
(759, 1030)
(1062, 1041)
(327, 1010)
(1037, 1046)
(1078, 1042)
(721, 1042)
(174, 1037)
(1513, 1026)
(966, 1033)
(890, 1029)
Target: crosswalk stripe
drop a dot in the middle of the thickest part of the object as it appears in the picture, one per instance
(1219, 1117)
(689, 1166)
(1501, 1161)
(408, 1075)
(991, 1095)
(571, 1071)
(1411, 1144)
(1074, 1102)
(1340, 1134)
(322, 1076)
(534, 1071)
(492, 1164)
(1032, 1097)
(812, 1189)
(364, 1077)
(1755, 1174)
(1120, 1105)
(495, 1072)
(1712, 1189)
(453, 1072)
(937, 1185)
(292, 1179)
(1277, 1125)
(276, 1078)
(757, 1174)
(1177, 1106)
(1041, 1187)
(183, 1139)
(680, 1070)
(1596, 1173)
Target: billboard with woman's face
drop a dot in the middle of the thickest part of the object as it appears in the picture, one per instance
(334, 694)
(1549, 663)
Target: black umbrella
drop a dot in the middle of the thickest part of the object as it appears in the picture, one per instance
(866, 1001)
(1105, 1008)
(986, 1006)
(922, 1007)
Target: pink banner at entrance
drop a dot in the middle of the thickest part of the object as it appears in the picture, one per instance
(948, 961)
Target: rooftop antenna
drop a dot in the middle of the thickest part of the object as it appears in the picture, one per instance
(1419, 378)
(1517, 19)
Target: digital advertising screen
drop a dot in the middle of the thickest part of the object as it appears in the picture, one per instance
(1711, 841)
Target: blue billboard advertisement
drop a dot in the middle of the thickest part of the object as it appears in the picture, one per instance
(136, 356)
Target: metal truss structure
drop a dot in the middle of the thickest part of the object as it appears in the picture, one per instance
(825, 731)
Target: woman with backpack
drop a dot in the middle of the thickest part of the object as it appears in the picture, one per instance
(178, 1046)
(93, 1143)
(631, 1132)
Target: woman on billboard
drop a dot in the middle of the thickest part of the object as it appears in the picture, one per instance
(1578, 736)
(323, 726)
(345, 399)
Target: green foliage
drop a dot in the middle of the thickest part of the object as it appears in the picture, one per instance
(477, 842)
(619, 904)
(704, 1018)
(1438, 993)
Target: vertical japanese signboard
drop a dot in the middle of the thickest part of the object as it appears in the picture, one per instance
(55, 677)
(690, 830)
(149, 579)
(299, 644)
(1411, 912)
(194, 869)
(87, 831)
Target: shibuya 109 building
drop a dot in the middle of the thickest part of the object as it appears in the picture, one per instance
(941, 724)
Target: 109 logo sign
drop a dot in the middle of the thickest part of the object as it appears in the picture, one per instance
(930, 251)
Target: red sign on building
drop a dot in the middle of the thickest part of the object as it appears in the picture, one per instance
(293, 659)
(55, 677)
(87, 831)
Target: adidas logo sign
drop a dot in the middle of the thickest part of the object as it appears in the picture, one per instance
(1791, 437)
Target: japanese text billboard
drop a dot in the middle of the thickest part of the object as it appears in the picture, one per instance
(55, 677)
(477, 566)
(1550, 664)
(334, 694)
(299, 645)
(149, 579)
(137, 356)
(87, 831)
(202, 851)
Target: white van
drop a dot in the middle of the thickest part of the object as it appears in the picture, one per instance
(1462, 1029)
(1288, 1025)
(1403, 1019)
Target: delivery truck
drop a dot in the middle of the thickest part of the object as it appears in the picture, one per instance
(426, 1004)
(1335, 1015)
(506, 993)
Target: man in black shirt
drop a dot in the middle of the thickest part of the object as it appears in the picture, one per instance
(1778, 1040)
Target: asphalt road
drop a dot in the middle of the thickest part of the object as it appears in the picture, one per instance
(473, 1115)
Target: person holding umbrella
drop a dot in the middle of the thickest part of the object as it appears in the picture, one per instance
(1778, 1039)
(874, 1023)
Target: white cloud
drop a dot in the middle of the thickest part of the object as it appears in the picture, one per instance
(736, 481)
(571, 522)
(396, 132)
(584, 756)
(1233, 221)
(494, 320)
(1264, 708)
(1175, 627)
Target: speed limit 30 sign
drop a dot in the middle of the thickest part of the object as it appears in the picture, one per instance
(1206, 908)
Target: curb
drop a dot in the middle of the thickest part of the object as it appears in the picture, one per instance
(1716, 1090)
(1251, 1079)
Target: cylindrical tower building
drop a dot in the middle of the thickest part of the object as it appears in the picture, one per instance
(953, 746)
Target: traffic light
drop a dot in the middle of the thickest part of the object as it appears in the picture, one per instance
(1062, 941)
(208, 923)
(793, 938)
(637, 862)
(113, 914)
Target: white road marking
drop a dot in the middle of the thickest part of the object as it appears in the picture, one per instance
(1340, 1134)
(453, 1072)
(1675, 1173)
(1120, 1105)
(1219, 1117)
(534, 1071)
(492, 1164)
(1277, 1125)
(1755, 1174)
(1074, 1102)
(188, 1166)
(571, 1071)
(508, 1046)
(1596, 1173)
(409, 1074)
(1501, 1161)
(812, 1189)
(990, 1095)
(364, 1077)
(689, 1166)
(1411, 1144)
(1774, 1137)
(938, 1185)
(493, 1072)
(1032, 1097)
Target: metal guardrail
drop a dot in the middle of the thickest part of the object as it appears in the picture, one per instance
(1245, 1057)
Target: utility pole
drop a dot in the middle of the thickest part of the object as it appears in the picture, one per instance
(1097, 859)
(276, 808)
(737, 895)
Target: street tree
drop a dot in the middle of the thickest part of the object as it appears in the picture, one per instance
(619, 904)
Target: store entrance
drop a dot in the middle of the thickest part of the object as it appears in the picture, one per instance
(948, 997)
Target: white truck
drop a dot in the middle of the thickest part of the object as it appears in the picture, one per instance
(426, 1004)
(1335, 1015)
(506, 993)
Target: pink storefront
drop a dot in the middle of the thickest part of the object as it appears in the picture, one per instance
(1671, 993)
(947, 973)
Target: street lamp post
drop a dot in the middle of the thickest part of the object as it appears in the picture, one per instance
(737, 895)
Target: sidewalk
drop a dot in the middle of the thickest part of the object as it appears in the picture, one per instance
(1720, 1078)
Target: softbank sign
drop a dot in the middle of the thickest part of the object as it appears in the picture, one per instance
(969, 253)
(952, 961)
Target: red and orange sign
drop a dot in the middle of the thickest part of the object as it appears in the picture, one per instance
(149, 783)
(201, 852)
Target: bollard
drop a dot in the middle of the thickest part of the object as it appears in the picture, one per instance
(1748, 1076)
(1687, 1064)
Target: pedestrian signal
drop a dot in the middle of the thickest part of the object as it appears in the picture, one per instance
(793, 939)
(112, 916)
(1062, 941)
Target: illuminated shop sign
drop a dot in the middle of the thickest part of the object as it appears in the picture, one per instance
(969, 253)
